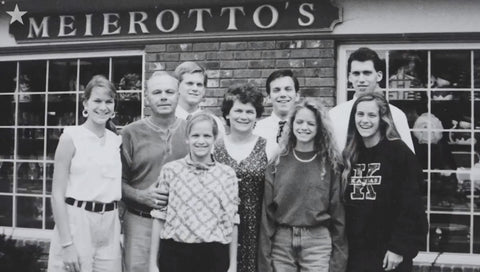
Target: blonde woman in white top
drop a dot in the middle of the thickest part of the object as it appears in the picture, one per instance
(86, 188)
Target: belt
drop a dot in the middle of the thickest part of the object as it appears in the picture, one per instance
(92, 206)
(139, 213)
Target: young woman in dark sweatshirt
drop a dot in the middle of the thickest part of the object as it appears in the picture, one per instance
(386, 222)
(303, 217)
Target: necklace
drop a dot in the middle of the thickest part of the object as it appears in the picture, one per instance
(307, 160)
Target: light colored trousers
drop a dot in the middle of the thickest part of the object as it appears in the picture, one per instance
(137, 239)
(301, 249)
(95, 236)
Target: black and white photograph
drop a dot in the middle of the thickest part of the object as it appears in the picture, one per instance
(239, 135)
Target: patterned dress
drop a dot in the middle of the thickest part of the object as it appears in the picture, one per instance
(251, 174)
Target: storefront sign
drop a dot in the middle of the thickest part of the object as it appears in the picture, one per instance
(289, 16)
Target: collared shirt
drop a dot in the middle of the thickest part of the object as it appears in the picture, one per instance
(202, 202)
(340, 115)
(268, 128)
(183, 114)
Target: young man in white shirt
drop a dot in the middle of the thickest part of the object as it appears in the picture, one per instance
(192, 86)
(282, 87)
(364, 67)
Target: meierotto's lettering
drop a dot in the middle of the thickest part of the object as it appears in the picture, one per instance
(305, 13)
(248, 19)
(273, 13)
(232, 19)
(34, 29)
(67, 26)
(88, 25)
(199, 25)
(175, 21)
(107, 23)
(134, 22)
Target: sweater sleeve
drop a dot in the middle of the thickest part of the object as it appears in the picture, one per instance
(338, 259)
(410, 225)
(267, 225)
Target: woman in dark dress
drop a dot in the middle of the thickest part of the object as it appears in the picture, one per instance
(248, 155)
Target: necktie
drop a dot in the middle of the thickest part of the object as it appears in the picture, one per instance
(281, 124)
(189, 116)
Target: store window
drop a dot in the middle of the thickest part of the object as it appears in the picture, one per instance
(438, 88)
(38, 98)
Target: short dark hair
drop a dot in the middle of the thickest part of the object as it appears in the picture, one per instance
(282, 73)
(245, 93)
(365, 54)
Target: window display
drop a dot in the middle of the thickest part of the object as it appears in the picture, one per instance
(38, 98)
(439, 92)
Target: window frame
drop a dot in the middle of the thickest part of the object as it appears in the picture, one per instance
(341, 96)
(43, 232)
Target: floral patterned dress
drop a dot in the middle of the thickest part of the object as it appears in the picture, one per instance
(251, 172)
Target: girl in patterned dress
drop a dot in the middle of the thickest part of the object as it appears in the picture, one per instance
(197, 230)
(248, 154)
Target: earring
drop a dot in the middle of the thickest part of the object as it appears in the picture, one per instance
(85, 113)
(113, 115)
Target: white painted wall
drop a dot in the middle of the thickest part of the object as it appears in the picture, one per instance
(408, 16)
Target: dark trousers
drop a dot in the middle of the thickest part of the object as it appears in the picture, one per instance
(200, 257)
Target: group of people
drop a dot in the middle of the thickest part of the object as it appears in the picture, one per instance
(282, 194)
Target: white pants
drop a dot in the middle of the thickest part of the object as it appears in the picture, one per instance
(96, 237)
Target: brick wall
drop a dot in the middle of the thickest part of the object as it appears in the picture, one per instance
(313, 61)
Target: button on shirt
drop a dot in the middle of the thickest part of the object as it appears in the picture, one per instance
(202, 202)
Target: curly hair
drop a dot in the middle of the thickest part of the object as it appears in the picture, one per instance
(324, 143)
(245, 93)
(354, 139)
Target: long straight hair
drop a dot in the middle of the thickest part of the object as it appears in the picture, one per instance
(102, 82)
(324, 144)
(354, 139)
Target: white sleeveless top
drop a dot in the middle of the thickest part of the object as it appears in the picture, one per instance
(96, 168)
